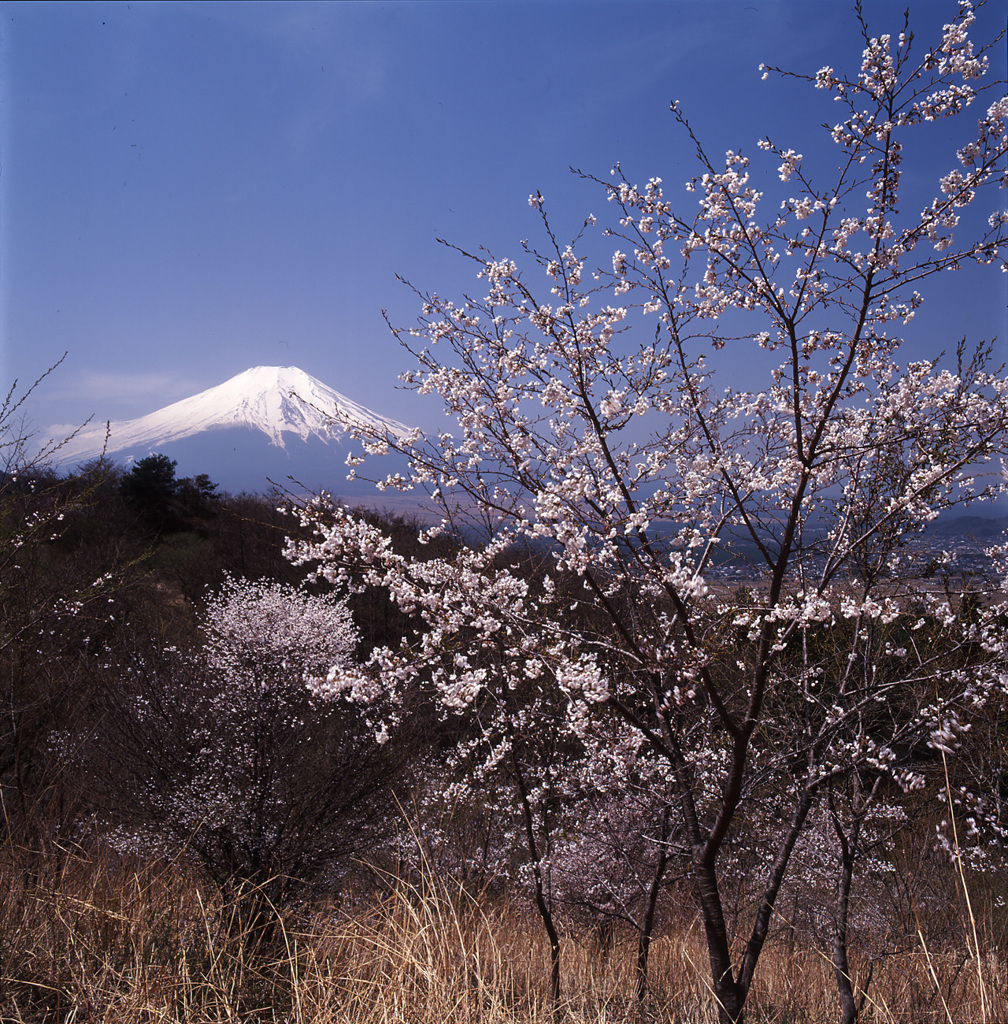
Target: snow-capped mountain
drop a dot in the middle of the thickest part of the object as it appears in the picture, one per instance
(269, 421)
(276, 400)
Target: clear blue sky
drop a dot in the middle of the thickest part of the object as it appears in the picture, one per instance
(191, 189)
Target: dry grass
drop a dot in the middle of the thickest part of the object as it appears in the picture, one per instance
(98, 940)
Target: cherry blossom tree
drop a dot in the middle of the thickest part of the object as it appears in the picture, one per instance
(235, 761)
(601, 420)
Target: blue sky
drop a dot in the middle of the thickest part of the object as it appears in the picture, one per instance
(188, 190)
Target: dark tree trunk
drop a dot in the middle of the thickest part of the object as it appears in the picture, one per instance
(841, 966)
(542, 905)
(647, 926)
(761, 926)
(849, 852)
(727, 992)
(731, 991)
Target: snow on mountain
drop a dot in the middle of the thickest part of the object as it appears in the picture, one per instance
(275, 400)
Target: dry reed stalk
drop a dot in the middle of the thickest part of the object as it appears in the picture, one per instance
(99, 939)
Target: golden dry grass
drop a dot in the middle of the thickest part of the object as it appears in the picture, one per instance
(99, 940)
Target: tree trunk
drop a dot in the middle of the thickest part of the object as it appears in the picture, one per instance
(841, 966)
(542, 904)
(761, 925)
(850, 1010)
(727, 992)
(647, 926)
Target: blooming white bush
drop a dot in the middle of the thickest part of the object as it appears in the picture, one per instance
(240, 762)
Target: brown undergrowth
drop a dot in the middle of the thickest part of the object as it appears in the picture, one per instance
(99, 939)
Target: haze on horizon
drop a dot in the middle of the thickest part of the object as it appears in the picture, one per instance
(191, 190)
